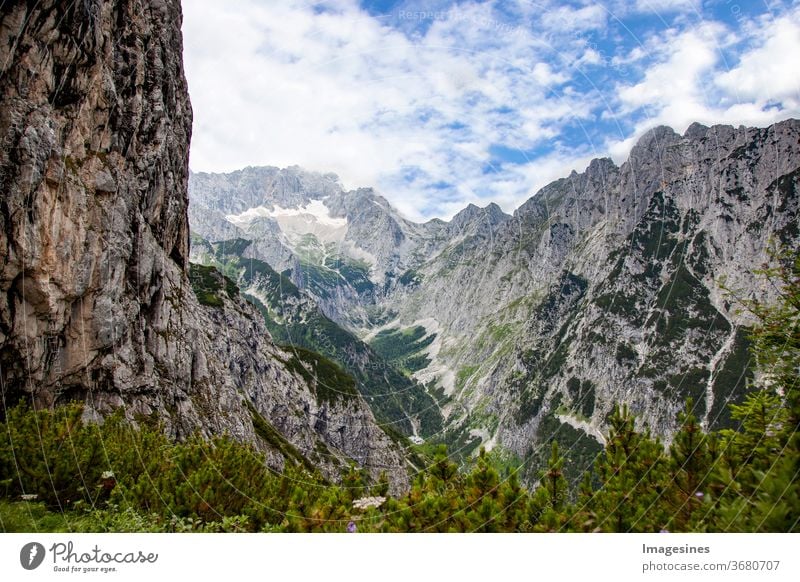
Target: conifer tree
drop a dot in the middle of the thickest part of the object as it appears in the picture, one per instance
(690, 467)
(760, 479)
(633, 475)
(550, 496)
(482, 495)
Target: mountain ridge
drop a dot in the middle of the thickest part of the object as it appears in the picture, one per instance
(655, 234)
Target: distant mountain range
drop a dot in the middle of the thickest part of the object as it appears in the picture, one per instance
(507, 331)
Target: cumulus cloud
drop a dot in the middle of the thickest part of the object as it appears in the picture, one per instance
(770, 72)
(417, 102)
(673, 88)
(666, 6)
(688, 77)
(567, 18)
(339, 90)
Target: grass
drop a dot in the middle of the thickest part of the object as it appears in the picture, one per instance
(579, 449)
(730, 384)
(410, 277)
(320, 280)
(356, 274)
(209, 285)
(678, 298)
(329, 382)
(501, 332)
(25, 516)
(392, 395)
(235, 246)
(270, 435)
(625, 353)
(530, 403)
(397, 345)
(692, 384)
(583, 396)
(657, 241)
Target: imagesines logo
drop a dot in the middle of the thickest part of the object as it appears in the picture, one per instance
(31, 555)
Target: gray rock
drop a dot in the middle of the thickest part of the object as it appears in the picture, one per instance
(95, 301)
(604, 287)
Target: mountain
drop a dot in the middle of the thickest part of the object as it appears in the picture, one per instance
(603, 287)
(340, 245)
(295, 320)
(98, 301)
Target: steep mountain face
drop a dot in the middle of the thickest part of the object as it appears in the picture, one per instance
(623, 302)
(604, 287)
(296, 321)
(98, 302)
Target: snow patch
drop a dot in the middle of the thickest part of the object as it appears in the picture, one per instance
(313, 218)
(315, 209)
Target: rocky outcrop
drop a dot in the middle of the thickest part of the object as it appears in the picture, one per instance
(95, 300)
(605, 288)
(95, 132)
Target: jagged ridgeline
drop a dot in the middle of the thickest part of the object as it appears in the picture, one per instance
(605, 287)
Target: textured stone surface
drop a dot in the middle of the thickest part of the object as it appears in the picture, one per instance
(95, 302)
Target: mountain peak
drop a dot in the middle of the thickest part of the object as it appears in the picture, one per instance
(696, 131)
(654, 139)
(492, 214)
(601, 165)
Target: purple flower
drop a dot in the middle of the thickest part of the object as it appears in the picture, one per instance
(664, 531)
(351, 527)
(699, 495)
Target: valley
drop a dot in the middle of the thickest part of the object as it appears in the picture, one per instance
(500, 331)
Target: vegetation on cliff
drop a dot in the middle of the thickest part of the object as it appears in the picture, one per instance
(58, 473)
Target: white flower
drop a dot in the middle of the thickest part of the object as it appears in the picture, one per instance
(367, 502)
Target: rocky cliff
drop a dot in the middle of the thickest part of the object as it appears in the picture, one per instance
(96, 303)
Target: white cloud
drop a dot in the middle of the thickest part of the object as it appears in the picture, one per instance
(389, 103)
(340, 91)
(688, 81)
(667, 6)
(674, 86)
(544, 74)
(770, 72)
(566, 18)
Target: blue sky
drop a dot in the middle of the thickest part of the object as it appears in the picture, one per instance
(443, 103)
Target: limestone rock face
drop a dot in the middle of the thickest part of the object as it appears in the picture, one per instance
(95, 300)
(95, 130)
